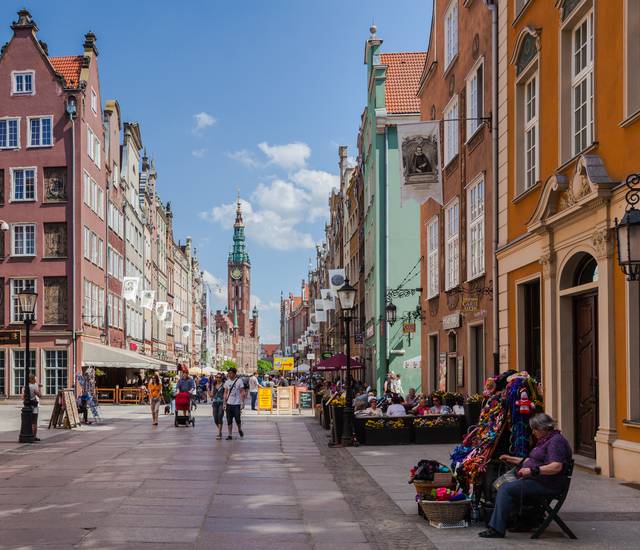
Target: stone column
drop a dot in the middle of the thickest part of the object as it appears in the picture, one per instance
(603, 247)
(551, 377)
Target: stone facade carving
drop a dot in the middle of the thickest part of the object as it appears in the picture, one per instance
(55, 240)
(55, 184)
(55, 300)
(547, 262)
(602, 243)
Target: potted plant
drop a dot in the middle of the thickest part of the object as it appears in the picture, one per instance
(387, 432)
(472, 408)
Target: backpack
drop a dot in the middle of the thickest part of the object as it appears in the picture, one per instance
(245, 382)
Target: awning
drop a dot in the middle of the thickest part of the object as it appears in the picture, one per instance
(337, 362)
(99, 355)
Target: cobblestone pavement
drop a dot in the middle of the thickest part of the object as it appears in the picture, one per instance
(126, 484)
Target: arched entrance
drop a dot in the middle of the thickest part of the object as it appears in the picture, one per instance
(579, 291)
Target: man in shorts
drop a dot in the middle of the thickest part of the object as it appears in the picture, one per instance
(234, 396)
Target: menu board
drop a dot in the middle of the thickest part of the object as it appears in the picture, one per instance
(306, 399)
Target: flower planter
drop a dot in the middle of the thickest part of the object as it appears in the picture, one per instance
(337, 416)
(326, 416)
(437, 434)
(387, 436)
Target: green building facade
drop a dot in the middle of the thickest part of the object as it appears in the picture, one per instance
(391, 228)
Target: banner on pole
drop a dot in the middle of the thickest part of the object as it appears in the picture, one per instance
(130, 288)
(146, 299)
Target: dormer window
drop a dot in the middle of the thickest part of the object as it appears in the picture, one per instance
(23, 82)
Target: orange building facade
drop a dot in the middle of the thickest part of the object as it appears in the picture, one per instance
(569, 130)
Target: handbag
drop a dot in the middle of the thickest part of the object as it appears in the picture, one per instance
(508, 477)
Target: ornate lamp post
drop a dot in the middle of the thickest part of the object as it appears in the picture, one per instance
(628, 232)
(391, 313)
(347, 297)
(27, 305)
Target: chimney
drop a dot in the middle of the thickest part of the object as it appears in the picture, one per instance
(89, 44)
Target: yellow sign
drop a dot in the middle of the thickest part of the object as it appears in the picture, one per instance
(265, 400)
(286, 363)
(277, 363)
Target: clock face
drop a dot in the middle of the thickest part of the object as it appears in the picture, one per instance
(236, 273)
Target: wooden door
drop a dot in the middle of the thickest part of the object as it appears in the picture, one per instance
(586, 373)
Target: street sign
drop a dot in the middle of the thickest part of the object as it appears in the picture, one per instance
(306, 399)
(286, 363)
(9, 338)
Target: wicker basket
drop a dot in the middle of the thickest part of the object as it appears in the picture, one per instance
(439, 480)
(445, 512)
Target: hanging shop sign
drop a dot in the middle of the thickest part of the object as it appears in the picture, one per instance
(326, 355)
(408, 328)
(370, 331)
(311, 356)
(451, 321)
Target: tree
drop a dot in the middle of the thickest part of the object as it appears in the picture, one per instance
(264, 367)
(227, 365)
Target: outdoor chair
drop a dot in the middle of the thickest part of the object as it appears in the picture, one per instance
(551, 510)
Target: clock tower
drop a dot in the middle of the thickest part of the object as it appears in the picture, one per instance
(239, 283)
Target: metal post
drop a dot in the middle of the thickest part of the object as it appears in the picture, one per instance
(26, 427)
(347, 422)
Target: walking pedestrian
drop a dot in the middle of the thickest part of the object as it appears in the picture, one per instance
(216, 393)
(154, 389)
(253, 389)
(34, 395)
(234, 396)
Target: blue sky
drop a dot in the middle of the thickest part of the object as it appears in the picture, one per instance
(255, 95)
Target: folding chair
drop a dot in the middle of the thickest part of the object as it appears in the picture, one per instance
(551, 512)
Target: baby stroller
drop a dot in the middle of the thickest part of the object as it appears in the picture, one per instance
(184, 406)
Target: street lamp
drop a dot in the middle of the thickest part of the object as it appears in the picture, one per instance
(391, 313)
(27, 305)
(628, 232)
(347, 297)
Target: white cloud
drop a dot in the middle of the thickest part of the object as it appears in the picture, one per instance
(203, 121)
(318, 185)
(245, 157)
(281, 196)
(291, 156)
(267, 227)
(199, 153)
(264, 306)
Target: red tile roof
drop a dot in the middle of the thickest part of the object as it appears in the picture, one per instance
(404, 70)
(69, 67)
(270, 349)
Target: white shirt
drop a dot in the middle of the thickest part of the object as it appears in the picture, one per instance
(396, 410)
(253, 383)
(235, 398)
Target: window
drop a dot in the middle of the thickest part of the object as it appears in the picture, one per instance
(115, 220)
(94, 101)
(23, 82)
(451, 250)
(475, 99)
(17, 286)
(100, 253)
(10, 133)
(433, 285)
(55, 371)
(90, 143)
(582, 84)
(2, 371)
(114, 264)
(632, 57)
(24, 239)
(530, 138)
(451, 130)
(475, 229)
(86, 309)
(40, 131)
(19, 357)
(450, 34)
(23, 184)
(93, 195)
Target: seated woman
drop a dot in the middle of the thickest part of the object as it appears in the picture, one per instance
(438, 407)
(373, 409)
(423, 408)
(396, 408)
(458, 408)
(410, 399)
(542, 474)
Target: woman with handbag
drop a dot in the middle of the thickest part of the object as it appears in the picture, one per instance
(541, 474)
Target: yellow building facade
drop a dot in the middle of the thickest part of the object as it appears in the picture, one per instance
(569, 135)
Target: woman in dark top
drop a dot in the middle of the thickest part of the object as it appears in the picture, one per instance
(216, 393)
(542, 474)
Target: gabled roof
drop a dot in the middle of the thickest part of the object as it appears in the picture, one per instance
(69, 67)
(270, 349)
(404, 70)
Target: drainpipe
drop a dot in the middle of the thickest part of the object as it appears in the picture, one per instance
(72, 112)
(492, 5)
